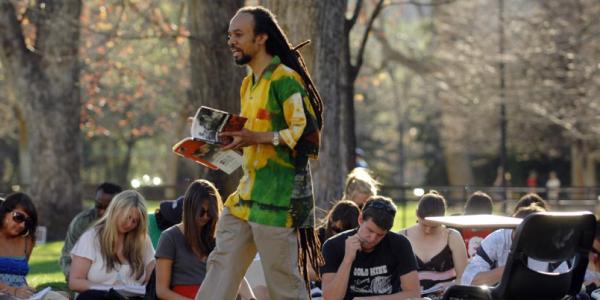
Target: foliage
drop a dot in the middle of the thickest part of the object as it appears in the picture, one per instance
(131, 52)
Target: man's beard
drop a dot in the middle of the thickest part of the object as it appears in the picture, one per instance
(243, 60)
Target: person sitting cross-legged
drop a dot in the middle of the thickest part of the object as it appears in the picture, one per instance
(370, 260)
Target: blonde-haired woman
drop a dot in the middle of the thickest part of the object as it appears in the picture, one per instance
(115, 252)
(360, 185)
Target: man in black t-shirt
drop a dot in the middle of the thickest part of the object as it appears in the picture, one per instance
(370, 260)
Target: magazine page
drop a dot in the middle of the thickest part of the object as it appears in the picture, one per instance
(39, 295)
(209, 155)
(207, 124)
(435, 288)
(125, 290)
(131, 290)
(226, 161)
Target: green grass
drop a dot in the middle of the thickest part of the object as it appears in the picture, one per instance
(45, 271)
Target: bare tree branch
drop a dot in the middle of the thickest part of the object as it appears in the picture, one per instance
(13, 50)
(350, 22)
(365, 38)
(419, 66)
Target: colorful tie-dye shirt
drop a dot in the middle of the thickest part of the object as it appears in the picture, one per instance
(276, 188)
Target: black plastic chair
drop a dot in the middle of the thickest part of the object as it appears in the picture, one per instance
(549, 237)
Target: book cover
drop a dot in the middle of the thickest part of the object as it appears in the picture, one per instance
(204, 144)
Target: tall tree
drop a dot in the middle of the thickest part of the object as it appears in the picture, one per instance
(215, 77)
(45, 73)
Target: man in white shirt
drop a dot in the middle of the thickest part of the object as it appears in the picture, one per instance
(487, 266)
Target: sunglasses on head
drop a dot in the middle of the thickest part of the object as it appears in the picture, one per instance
(380, 205)
(19, 217)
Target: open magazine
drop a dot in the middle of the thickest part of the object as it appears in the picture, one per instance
(204, 144)
(124, 290)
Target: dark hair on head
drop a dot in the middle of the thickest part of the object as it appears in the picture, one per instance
(381, 210)
(346, 212)
(529, 199)
(525, 211)
(23, 201)
(201, 240)
(109, 188)
(278, 44)
(431, 204)
(479, 203)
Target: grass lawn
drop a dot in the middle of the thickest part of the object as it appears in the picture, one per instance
(45, 271)
(44, 268)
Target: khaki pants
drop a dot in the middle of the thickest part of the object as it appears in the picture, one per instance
(236, 246)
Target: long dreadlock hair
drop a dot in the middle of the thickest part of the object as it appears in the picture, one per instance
(309, 246)
(278, 44)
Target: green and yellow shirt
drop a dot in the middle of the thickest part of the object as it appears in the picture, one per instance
(276, 188)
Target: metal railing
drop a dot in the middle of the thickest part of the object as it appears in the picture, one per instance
(563, 199)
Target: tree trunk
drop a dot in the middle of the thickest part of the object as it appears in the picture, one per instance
(215, 77)
(583, 169)
(47, 81)
(322, 22)
(125, 163)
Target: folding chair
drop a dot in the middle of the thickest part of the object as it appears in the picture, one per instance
(549, 237)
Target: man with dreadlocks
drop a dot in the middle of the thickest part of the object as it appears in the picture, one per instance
(272, 210)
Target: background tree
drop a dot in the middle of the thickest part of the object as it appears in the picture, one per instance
(44, 70)
(215, 77)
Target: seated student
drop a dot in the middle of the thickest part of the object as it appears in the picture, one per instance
(18, 222)
(166, 215)
(370, 260)
(359, 186)
(487, 266)
(183, 248)
(17, 237)
(440, 252)
(341, 217)
(479, 203)
(115, 252)
(84, 220)
(531, 198)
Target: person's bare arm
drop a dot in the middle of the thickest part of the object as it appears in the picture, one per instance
(18, 292)
(163, 280)
(334, 285)
(459, 252)
(80, 267)
(148, 270)
(488, 278)
(245, 137)
(410, 289)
